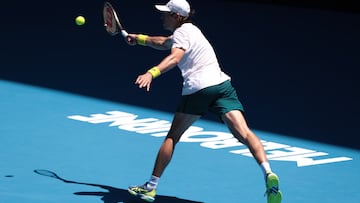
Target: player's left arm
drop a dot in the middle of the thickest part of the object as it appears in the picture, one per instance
(169, 62)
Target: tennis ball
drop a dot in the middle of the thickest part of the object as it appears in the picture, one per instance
(80, 20)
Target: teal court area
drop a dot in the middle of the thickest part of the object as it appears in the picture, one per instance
(98, 148)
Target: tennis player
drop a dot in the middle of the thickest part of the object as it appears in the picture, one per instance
(206, 88)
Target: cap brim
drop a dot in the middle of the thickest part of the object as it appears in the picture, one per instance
(163, 8)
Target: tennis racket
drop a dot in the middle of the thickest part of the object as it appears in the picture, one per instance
(111, 21)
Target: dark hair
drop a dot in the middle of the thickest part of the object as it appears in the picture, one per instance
(189, 18)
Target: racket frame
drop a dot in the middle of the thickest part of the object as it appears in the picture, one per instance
(110, 15)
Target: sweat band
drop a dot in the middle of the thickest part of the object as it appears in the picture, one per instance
(141, 39)
(154, 71)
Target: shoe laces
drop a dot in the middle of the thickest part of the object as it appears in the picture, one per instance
(143, 187)
(273, 190)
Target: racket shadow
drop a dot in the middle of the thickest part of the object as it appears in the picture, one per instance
(113, 195)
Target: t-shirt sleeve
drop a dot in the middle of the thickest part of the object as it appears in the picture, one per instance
(180, 40)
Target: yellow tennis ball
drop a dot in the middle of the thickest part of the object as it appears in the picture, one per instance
(80, 20)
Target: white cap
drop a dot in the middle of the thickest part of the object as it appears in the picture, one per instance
(181, 7)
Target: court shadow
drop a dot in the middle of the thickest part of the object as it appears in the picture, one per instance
(113, 195)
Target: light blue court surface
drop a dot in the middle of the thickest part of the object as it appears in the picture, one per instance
(99, 148)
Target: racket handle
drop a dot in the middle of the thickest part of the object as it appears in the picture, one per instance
(124, 33)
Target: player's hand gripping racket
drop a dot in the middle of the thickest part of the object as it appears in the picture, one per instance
(111, 21)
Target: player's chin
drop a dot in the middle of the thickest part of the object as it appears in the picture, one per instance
(166, 27)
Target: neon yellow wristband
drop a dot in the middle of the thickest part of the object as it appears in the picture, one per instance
(141, 39)
(154, 71)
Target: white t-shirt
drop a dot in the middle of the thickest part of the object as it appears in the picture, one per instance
(199, 65)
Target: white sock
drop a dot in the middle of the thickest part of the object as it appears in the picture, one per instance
(265, 166)
(153, 182)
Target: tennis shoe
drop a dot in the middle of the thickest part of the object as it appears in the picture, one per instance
(273, 192)
(143, 192)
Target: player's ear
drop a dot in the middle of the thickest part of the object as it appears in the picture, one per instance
(179, 17)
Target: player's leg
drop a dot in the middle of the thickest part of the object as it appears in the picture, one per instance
(181, 122)
(239, 128)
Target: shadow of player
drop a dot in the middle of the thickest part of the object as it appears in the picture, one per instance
(113, 195)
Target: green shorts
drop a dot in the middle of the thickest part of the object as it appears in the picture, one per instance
(218, 99)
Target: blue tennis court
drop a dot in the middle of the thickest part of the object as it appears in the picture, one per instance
(98, 148)
(75, 129)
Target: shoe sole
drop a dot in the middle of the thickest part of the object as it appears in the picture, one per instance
(146, 198)
(275, 198)
(273, 180)
(142, 196)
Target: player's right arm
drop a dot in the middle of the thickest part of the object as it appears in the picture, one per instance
(155, 42)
